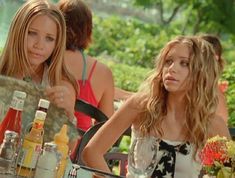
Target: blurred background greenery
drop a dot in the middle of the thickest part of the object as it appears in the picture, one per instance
(128, 34)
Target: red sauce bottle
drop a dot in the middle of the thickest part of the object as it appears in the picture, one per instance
(12, 119)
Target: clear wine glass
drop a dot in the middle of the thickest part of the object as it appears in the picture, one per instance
(142, 157)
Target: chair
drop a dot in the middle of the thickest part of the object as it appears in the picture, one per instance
(89, 110)
(114, 154)
(109, 156)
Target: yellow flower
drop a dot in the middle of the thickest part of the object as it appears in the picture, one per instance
(217, 138)
(224, 172)
(231, 148)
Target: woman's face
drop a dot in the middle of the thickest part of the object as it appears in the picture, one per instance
(41, 39)
(176, 68)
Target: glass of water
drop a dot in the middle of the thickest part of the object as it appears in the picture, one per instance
(142, 157)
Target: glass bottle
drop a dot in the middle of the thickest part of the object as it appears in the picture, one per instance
(12, 119)
(8, 153)
(31, 147)
(61, 139)
(43, 105)
(47, 162)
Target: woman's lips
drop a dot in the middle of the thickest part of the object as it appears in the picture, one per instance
(36, 55)
(170, 79)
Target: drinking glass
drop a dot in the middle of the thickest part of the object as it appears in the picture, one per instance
(142, 157)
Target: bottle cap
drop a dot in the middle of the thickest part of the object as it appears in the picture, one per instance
(19, 94)
(43, 103)
(11, 134)
(62, 135)
(50, 146)
(40, 115)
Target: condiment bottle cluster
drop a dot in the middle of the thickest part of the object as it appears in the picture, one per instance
(26, 154)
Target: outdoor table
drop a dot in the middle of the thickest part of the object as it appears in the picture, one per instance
(82, 172)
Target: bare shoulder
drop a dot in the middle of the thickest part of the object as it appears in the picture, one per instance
(136, 102)
(219, 127)
(103, 69)
(129, 110)
(103, 75)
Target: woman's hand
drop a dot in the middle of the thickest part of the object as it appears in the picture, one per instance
(62, 97)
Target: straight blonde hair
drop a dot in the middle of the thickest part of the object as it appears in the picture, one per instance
(14, 59)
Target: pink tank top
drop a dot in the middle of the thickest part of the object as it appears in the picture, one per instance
(84, 122)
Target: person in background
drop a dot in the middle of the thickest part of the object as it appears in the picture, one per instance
(120, 94)
(222, 109)
(35, 50)
(176, 104)
(95, 80)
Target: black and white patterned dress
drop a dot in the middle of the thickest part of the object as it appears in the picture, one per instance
(175, 159)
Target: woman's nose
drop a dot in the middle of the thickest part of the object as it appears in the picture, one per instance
(38, 43)
(172, 67)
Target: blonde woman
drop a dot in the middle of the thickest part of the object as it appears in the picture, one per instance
(176, 104)
(35, 48)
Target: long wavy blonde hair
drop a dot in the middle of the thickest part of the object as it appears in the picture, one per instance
(14, 59)
(201, 97)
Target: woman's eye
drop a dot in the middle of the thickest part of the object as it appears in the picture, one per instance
(168, 61)
(50, 38)
(185, 63)
(32, 32)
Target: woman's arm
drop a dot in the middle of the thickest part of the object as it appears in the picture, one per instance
(218, 127)
(121, 94)
(108, 134)
(222, 109)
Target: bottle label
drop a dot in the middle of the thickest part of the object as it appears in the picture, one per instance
(47, 165)
(17, 103)
(30, 154)
(38, 124)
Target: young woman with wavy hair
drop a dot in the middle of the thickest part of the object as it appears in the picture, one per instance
(176, 104)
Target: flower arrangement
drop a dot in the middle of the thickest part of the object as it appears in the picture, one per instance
(223, 86)
(218, 157)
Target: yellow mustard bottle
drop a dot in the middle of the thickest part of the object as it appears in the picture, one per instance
(32, 146)
(61, 139)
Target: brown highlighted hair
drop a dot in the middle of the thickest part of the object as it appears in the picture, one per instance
(215, 42)
(78, 19)
(201, 98)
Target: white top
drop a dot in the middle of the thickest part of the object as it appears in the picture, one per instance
(185, 165)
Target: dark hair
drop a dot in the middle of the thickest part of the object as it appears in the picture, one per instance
(78, 19)
(215, 42)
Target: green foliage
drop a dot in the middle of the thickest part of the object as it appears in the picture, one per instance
(214, 16)
(124, 144)
(125, 76)
(136, 44)
(229, 75)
